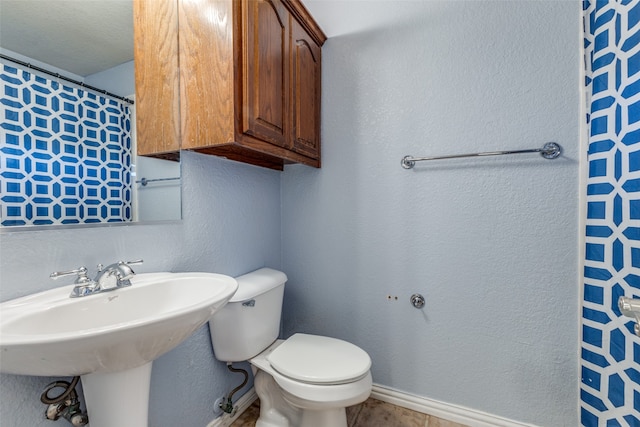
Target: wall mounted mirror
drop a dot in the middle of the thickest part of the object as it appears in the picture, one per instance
(67, 151)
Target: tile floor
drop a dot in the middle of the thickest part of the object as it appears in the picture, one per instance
(371, 413)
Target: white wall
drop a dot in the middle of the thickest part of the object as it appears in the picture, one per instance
(491, 243)
(230, 225)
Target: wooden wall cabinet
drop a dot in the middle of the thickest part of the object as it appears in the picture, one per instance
(235, 78)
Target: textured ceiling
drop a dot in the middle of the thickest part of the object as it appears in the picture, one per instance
(79, 36)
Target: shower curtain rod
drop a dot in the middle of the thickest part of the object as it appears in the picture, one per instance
(550, 150)
(61, 77)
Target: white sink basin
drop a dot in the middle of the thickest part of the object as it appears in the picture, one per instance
(50, 334)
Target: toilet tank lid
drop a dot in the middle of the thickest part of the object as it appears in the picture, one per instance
(257, 282)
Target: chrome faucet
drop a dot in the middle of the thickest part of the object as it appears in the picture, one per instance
(113, 276)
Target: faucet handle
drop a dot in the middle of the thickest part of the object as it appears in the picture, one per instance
(81, 272)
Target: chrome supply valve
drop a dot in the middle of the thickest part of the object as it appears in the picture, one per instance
(66, 405)
(69, 410)
(226, 405)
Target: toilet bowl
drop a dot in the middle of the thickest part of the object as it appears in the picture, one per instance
(303, 381)
(320, 386)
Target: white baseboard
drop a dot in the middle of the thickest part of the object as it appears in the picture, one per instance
(242, 404)
(446, 411)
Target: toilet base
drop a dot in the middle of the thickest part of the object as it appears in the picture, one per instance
(275, 411)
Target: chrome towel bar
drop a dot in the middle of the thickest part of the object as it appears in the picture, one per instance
(550, 150)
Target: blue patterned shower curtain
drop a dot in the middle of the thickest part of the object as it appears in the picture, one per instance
(610, 351)
(65, 153)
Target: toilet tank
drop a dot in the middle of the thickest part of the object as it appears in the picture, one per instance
(250, 322)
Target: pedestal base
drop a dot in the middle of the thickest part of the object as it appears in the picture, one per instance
(118, 398)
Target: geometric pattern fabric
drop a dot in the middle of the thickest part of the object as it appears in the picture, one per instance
(65, 153)
(610, 351)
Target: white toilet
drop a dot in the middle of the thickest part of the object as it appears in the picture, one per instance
(304, 381)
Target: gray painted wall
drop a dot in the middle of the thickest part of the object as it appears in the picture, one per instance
(231, 225)
(491, 243)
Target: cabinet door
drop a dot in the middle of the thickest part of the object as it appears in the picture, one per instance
(265, 71)
(305, 92)
(206, 72)
(157, 80)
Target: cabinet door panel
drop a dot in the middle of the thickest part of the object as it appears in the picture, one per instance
(266, 76)
(306, 79)
(206, 72)
(157, 78)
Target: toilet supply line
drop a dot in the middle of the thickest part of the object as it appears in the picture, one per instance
(226, 404)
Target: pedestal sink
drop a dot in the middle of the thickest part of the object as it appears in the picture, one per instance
(109, 339)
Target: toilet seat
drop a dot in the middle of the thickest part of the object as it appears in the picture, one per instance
(314, 396)
(317, 359)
